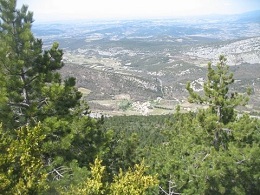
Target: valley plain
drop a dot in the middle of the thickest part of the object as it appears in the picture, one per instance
(129, 67)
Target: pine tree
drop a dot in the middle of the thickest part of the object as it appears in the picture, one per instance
(212, 151)
(216, 92)
(33, 91)
(220, 100)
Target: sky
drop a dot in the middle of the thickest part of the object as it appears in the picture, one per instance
(57, 10)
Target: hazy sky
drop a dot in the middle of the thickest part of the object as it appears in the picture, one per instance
(53, 10)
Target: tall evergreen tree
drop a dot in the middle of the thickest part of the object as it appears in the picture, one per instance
(217, 96)
(211, 151)
(219, 99)
(32, 90)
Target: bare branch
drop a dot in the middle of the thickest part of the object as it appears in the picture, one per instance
(42, 102)
(171, 192)
(59, 172)
(205, 157)
(21, 104)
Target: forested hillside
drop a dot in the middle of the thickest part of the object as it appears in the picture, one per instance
(50, 145)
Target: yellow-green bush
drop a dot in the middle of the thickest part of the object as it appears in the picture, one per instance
(134, 181)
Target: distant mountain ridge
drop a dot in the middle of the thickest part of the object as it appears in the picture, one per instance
(250, 16)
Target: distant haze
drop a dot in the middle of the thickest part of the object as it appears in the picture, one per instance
(57, 10)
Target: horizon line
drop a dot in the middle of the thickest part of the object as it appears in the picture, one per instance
(140, 17)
